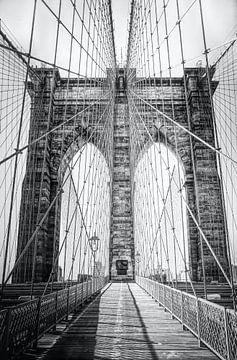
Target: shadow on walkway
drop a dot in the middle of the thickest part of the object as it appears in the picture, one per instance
(144, 330)
(79, 339)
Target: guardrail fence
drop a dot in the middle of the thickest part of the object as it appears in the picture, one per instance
(213, 325)
(22, 325)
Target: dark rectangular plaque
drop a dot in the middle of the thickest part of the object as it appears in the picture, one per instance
(122, 267)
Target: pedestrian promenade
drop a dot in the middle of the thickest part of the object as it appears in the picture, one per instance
(126, 323)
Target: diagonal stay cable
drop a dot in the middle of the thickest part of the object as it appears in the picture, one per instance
(196, 222)
(19, 151)
(60, 190)
(70, 168)
(183, 128)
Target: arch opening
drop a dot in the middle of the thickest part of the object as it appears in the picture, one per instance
(160, 218)
(85, 213)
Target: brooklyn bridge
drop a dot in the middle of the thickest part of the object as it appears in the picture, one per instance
(118, 179)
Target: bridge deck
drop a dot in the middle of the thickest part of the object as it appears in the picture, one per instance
(126, 323)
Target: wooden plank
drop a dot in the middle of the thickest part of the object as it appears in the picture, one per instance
(125, 323)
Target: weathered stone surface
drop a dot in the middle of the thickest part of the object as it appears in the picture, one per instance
(53, 101)
(122, 242)
(202, 183)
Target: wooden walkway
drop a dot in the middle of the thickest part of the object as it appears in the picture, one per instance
(126, 323)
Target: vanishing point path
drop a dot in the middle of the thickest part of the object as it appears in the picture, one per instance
(126, 323)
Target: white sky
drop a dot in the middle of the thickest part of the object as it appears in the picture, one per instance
(219, 15)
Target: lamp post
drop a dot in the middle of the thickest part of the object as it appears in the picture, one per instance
(94, 244)
(138, 260)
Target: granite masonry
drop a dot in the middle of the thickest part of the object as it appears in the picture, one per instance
(54, 99)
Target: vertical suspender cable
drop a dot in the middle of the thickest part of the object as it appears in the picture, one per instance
(17, 149)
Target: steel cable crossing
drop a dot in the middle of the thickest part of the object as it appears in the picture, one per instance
(45, 109)
(157, 39)
(85, 163)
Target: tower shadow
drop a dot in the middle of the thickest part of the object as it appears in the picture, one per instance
(144, 329)
(79, 339)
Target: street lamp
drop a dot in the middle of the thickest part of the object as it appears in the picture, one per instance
(94, 244)
(138, 259)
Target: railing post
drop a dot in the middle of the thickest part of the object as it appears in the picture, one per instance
(155, 291)
(172, 313)
(37, 325)
(159, 293)
(198, 323)
(88, 291)
(182, 310)
(226, 335)
(164, 298)
(56, 310)
(7, 336)
(82, 295)
(68, 293)
(200, 343)
(79, 287)
(75, 306)
(86, 295)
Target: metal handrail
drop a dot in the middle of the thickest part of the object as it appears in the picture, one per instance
(213, 325)
(22, 325)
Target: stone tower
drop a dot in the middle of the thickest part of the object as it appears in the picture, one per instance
(122, 242)
(202, 183)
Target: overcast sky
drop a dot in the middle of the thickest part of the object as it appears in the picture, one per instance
(219, 15)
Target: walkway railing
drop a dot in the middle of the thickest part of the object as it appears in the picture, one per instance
(214, 325)
(22, 325)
